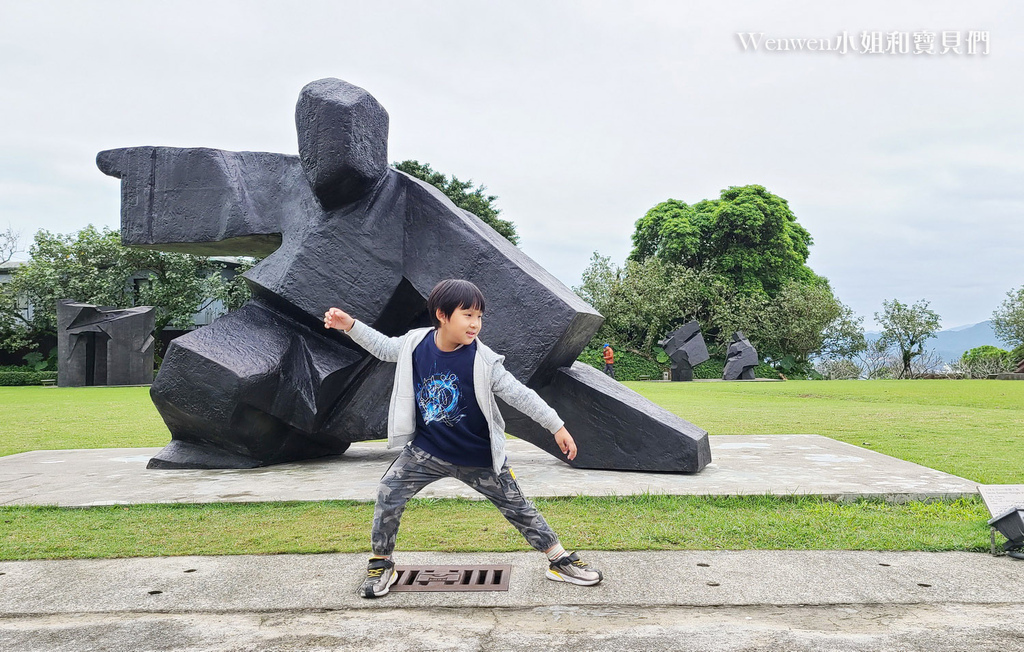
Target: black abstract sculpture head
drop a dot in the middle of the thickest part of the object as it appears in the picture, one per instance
(740, 359)
(267, 384)
(97, 345)
(685, 346)
(343, 137)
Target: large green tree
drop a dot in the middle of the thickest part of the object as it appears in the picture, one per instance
(907, 328)
(748, 235)
(752, 255)
(643, 301)
(92, 266)
(1008, 318)
(464, 195)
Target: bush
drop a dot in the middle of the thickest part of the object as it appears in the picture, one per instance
(628, 365)
(981, 361)
(713, 368)
(838, 369)
(22, 377)
(1017, 354)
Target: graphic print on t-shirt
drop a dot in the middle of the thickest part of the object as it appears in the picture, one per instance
(439, 398)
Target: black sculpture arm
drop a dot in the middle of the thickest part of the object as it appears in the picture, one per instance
(532, 318)
(207, 201)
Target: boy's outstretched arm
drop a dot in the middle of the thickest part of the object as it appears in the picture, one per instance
(339, 319)
(566, 443)
(508, 388)
(376, 343)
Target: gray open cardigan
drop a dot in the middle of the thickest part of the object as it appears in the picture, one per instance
(490, 379)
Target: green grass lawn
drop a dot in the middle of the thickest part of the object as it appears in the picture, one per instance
(44, 418)
(969, 428)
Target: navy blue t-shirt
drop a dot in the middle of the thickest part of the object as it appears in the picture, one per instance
(449, 423)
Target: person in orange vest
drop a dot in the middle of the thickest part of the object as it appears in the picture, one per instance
(609, 360)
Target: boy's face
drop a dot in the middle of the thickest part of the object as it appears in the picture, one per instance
(462, 326)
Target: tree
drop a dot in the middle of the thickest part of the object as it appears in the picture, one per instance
(463, 195)
(803, 321)
(838, 369)
(750, 253)
(806, 320)
(876, 360)
(1008, 318)
(643, 301)
(748, 235)
(907, 328)
(92, 266)
(8, 244)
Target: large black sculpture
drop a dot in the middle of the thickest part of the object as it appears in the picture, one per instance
(685, 346)
(97, 345)
(267, 384)
(741, 359)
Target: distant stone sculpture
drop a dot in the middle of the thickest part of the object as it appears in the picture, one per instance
(267, 384)
(104, 346)
(740, 359)
(685, 346)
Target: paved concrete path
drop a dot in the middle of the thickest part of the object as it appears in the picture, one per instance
(742, 465)
(721, 600)
(687, 600)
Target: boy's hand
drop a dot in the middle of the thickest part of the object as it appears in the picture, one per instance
(566, 443)
(338, 318)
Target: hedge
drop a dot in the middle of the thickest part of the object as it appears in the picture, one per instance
(714, 368)
(14, 378)
(628, 366)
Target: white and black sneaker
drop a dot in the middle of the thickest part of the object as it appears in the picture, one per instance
(569, 568)
(380, 575)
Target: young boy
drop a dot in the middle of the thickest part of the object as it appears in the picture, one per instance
(444, 412)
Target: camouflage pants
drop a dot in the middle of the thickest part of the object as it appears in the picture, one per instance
(415, 469)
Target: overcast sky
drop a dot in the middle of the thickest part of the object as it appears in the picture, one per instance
(906, 169)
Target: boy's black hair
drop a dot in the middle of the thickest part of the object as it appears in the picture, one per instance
(451, 294)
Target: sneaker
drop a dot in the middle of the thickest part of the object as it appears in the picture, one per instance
(380, 575)
(569, 568)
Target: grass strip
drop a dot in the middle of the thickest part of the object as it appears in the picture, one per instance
(646, 522)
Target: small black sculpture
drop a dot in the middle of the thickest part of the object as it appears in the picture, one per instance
(104, 346)
(267, 384)
(741, 359)
(685, 345)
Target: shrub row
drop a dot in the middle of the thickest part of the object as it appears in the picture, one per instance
(15, 378)
(715, 367)
(628, 366)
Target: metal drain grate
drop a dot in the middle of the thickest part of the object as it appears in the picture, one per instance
(452, 578)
